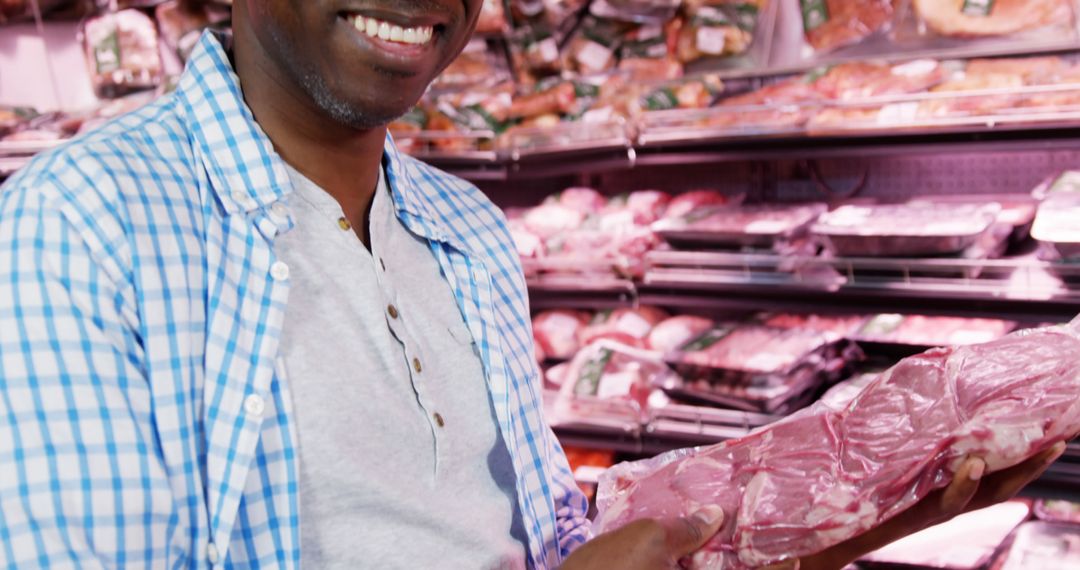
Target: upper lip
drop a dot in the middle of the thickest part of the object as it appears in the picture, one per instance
(405, 20)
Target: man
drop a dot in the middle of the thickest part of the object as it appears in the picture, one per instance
(241, 330)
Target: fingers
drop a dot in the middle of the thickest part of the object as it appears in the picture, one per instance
(687, 534)
(1005, 484)
(962, 489)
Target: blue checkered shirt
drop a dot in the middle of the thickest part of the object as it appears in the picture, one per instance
(144, 419)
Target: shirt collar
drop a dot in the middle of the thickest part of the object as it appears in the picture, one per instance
(245, 172)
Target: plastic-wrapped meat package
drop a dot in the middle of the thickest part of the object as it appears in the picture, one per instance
(913, 229)
(181, 23)
(122, 52)
(688, 202)
(1040, 545)
(641, 208)
(529, 245)
(926, 331)
(1055, 227)
(967, 542)
(630, 326)
(760, 226)
(758, 368)
(592, 49)
(492, 18)
(608, 380)
(841, 326)
(830, 24)
(584, 200)
(861, 80)
(1056, 510)
(717, 28)
(821, 476)
(547, 220)
(557, 331)
(779, 106)
(674, 332)
(967, 19)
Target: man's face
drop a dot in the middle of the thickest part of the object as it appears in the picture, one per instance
(363, 62)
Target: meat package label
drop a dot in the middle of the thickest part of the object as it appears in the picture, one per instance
(588, 383)
(814, 14)
(706, 340)
(107, 52)
(977, 7)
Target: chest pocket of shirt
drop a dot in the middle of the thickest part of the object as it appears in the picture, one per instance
(459, 332)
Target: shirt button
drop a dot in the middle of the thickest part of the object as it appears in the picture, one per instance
(416, 365)
(254, 405)
(211, 553)
(279, 271)
(280, 210)
(344, 223)
(439, 421)
(393, 311)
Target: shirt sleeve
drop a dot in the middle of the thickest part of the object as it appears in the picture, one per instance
(571, 506)
(81, 485)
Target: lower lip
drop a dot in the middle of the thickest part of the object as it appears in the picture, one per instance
(396, 50)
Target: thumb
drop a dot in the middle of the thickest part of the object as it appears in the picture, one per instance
(687, 534)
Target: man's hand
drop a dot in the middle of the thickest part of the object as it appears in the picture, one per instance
(648, 544)
(967, 491)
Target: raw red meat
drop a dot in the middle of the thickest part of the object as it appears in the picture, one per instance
(860, 80)
(647, 206)
(845, 22)
(550, 219)
(609, 380)
(842, 327)
(822, 476)
(528, 244)
(556, 332)
(584, 200)
(629, 326)
(1002, 17)
(687, 202)
(672, 333)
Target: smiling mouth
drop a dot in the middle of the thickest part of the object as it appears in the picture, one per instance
(390, 32)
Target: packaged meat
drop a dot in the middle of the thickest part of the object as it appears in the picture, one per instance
(648, 45)
(609, 381)
(1055, 226)
(557, 332)
(475, 65)
(641, 11)
(778, 107)
(687, 93)
(717, 28)
(840, 326)
(844, 392)
(593, 48)
(492, 18)
(748, 353)
(181, 23)
(581, 199)
(674, 332)
(821, 476)
(548, 220)
(534, 51)
(529, 245)
(688, 202)
(1057, 510)
(977, 18)
(758, 226)
(641, 207)
(630, 326)
(928, 331)
(1040, 545)
(831, 24)
(911, 229)
(863, 80)
(967, 542)
(121, 51)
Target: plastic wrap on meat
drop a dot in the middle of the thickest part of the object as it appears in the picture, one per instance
(550, 219)
(830, 24)
(1057, 510)
(557, 331)
(609, 380)
(584, 200)
(963, 18)
(675, 332)
(904, 229)
(841, 326)
(822, 476)
(1040, 545)
(862, 80)
(628, 326)
(641, 208)
(529, 245)
(920, 330)
(782, 105)
(1055, 226)
(750, 349)
(967, 542)
(762, 226)
(687, 202)
(717, 28)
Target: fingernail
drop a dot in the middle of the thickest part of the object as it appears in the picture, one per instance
(710, 515)
(977, 470)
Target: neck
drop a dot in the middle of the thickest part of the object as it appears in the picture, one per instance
(343, 161)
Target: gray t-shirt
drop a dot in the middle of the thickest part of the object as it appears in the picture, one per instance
(402, 463)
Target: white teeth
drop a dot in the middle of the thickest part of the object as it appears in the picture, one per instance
(393, 33)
